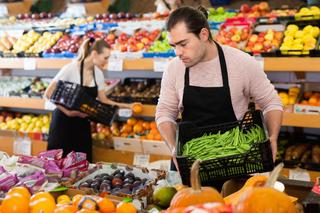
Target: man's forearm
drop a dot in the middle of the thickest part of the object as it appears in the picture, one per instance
(168, 132)
(274, 120)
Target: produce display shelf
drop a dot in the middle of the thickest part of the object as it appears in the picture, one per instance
(289, 119)
(271, 64)
(28, 103)
(301, 120)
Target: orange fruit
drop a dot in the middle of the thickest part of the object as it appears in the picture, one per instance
(87, 211)
(131, 121)
(15, 203)
(137, 108)
(106, 206)
(137, 128)
(88, 202)
(146, 125)
(40, 195)
(124, 135)
(153, 125)
(154, 131)
(313, 100)
(43, 205)
(143, 137)
(150, 136)
(126, 207)
(76, 199)
(20, 190)
(63, 199)
(157, 137)
(126, 128)
(66, 209)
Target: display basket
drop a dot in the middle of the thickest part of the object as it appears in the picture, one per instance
(257, 159)
(74, 97)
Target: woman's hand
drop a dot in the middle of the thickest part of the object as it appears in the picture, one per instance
(74, 113)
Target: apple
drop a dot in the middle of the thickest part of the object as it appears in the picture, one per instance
(121, 15)
(245, 8)
(20, 16)
(123, 48)
(113, 16)
(105, 15)
(129, 15)
(234, 30)
(257, 47)
(263, 6)
(233, 44)
(98, 16)
(255, 8)
(156, 15)
(26, 15)
(145, 40)
(253, 38)
(49, 15)
(236, 38)
(43, 15)
(35, 16)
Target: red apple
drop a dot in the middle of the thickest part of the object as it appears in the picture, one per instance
(123, 48)
(245, 8)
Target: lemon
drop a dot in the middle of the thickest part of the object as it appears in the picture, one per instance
(292, 27)
(299, 34)
(315, 32)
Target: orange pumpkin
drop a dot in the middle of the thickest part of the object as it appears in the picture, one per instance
(196, 194)
(255, 181)
(263, 200)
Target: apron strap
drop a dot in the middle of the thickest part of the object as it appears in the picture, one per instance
(81, 74)
(223, 66)
(186, 77)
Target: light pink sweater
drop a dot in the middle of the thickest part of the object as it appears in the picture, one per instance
(246, 79)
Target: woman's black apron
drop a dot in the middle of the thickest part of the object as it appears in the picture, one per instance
(205, 106)
(72, 133)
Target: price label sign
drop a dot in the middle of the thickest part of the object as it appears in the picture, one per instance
(3, 10)
(126, 113)
(29, 64)
(160, 64)
(299, 174)
(115, 64)
(76, 10)
(140, 159)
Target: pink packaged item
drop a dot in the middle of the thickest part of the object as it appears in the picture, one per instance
(8, 181)
(55, 154)
(35, 161)
(73, 158)
(2, 170)
(52, 169)
(34, 181)
(73, 170)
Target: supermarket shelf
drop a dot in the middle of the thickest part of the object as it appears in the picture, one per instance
(289, 119)
(301, 120)
(29, 103)
(298, 64)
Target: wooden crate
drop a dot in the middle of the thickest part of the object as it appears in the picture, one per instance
(127, 144)
(155, 147)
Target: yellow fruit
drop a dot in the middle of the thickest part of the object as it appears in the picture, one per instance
(307, 29)
(63, 199)
(297, 41)
(43, 205)
(299, 34)
(304, 10)
(315, 9)
(315, 32)
(288, 39)
(20, 190)
(292, 27)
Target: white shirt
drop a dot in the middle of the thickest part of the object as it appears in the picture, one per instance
(71, 72)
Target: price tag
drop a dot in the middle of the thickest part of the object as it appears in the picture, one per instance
(126, 113)
(3, 10)
(160, 64)
(76, 10)
(299, 174)
(140, 159)
(115, 64)
(29, 64)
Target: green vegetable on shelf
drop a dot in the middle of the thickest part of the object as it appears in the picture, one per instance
(232, 142)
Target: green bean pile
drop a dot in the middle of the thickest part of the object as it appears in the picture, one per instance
(232, 142)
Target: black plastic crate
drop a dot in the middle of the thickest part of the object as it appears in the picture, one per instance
(258, 159)
(139, 86)
(74, 97)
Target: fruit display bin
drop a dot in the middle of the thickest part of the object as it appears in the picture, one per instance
(300, 52)
(73, 96)
(305, 106)
(307, 12)
(300, 152)
(137, 90)
(169, 54)
(140, 188)
(155, 147)
(265, 39)
(258, 159)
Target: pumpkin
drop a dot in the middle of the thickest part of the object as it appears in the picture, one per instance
(255, 181)
(87, 202)
(264, 200)
(195, 194)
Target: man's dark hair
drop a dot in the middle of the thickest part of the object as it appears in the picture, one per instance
(195, 20)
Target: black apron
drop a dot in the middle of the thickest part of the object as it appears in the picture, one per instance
(208, 105)
(72, 133)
